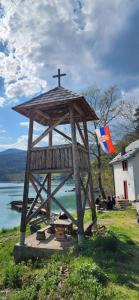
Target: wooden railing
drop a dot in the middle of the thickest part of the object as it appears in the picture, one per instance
(56, 158)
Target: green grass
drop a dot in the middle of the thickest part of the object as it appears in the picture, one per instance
(104, 267)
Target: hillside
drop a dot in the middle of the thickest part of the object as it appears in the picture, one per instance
(12, 164)
(105, 267)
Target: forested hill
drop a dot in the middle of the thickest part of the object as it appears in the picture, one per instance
(12, 164)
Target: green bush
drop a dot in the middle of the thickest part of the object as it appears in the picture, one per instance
(13, 277)
(87, 271)
(88, 289)
(26, 294)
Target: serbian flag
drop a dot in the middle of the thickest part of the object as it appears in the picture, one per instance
(105, 140)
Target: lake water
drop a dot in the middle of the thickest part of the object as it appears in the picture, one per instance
(14, 191)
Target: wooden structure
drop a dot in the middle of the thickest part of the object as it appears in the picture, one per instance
(55, 107)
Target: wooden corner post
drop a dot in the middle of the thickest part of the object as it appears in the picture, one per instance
(91, 186)
(76, 177)
(26, 185)
(49, 183)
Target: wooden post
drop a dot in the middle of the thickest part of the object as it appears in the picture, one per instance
(76, 177)
(91, 186)
(26, 185)
(49, 184)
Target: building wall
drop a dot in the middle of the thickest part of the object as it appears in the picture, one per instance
(120, 176)
(136, 174)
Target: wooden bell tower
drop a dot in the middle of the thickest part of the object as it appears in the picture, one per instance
(56, 107)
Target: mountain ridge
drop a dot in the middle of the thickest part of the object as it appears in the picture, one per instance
(12, 164)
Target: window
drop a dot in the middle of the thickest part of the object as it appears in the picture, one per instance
(125, 165)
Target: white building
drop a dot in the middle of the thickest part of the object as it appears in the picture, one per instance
(126, 172)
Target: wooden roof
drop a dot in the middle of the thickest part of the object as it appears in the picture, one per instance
(54, 104)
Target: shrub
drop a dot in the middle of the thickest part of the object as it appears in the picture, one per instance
(13, 277)
(26, 294)
(87, 271)
(88, 289)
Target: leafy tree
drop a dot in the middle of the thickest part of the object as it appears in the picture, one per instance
(136, 121)
(108, 108)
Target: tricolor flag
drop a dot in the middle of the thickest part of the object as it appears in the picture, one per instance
(105, 140)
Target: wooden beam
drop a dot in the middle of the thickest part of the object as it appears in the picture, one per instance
(85, 195)
(49, 130)
(58, 203)
(78, 109)
(82, 185)
(81, 135)
(49, 197)
(38, 220)
(91, 185)
(49, 182)
(76, 176)
(26, 186)
(45, 115)
(89, 228)
(37, 196)
(35, 188)
(65, 211)
(63, 134)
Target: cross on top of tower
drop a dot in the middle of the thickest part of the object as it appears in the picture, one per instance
(59, 75)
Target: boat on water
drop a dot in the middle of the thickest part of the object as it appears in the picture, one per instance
(71, 190)
(17, 204)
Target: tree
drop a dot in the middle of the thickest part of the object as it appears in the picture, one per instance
(108, 108)
(136, 122)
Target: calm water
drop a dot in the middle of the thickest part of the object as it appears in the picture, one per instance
(14, 191)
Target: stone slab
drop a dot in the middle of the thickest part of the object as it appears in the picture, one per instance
(34, 249)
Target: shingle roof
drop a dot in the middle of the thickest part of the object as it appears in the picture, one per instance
(53, 102)
(130, 152)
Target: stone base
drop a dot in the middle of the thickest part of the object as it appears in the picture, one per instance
(34, 249)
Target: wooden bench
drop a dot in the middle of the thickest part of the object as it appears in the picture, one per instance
(62, 227)
(41, 232)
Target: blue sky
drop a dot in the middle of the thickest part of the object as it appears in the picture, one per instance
(94, 42)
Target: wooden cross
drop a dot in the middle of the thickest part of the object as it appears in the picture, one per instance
(58, 76)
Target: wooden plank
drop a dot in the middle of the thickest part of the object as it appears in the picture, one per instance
(49, 129)
(26, 185)
(76, 176)
(49, 197)
(55, 147)
(44, 171)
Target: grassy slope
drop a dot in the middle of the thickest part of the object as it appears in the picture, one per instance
(77, 275)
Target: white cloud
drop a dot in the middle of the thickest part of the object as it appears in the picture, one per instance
(37, 127)
(21, 143)
(2, 101)
(42, 35)
(3, 131)
(25, 124)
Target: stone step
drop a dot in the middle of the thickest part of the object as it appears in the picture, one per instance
(123, 203)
